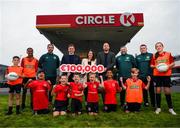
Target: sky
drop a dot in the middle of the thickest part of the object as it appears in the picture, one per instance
(18, 21)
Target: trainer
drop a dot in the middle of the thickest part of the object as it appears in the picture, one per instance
(143, 64)
(49, 63)
(124, 63)
(30, 67)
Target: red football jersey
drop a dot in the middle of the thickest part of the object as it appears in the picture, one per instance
(61, 92)
(76, 88)
(92, 92)
(40, 94)
(111, 87)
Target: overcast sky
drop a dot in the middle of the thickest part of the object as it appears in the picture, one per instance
(18, 20)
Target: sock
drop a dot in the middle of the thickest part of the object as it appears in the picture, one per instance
(168, 100)
(10, 109)
(158, 100)
(17, 108)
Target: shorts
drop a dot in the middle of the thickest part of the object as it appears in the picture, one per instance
(162, 81)
(25, 80)
(110, 107)
(76, 106)
(15, 88)
(60, 105)
(133, 107)
(92, 107)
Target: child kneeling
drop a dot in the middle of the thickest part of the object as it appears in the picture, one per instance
(40, 89)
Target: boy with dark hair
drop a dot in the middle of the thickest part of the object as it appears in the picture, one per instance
(40, 89)
(111, 88)
(14, 85)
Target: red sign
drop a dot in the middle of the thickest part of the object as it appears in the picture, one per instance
(90, 20)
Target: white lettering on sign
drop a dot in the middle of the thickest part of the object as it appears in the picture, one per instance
(81, 69)
(95, 20)
(127, 19)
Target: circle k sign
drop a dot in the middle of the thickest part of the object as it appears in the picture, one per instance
(127, 19)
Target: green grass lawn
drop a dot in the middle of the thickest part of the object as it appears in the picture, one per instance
(146, 118)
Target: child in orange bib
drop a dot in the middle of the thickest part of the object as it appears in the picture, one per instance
(14, 85)
(134, 91)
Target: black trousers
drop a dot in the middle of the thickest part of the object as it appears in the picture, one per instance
(53, 82)
(150, 91)
(122, 93)
(25, 80)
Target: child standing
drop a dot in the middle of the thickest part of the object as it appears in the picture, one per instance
(92, 94)
(61, 91)
(40, 89)
(76, 93)
(162, 78)
(134, 91)
(15, 85)
(111, 87)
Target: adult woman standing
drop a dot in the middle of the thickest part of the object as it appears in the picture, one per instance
(162, 78)
(90, 60)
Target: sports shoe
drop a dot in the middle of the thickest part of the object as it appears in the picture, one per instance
(158, 110)
(172, 111)
(146, 104)
(9, 113)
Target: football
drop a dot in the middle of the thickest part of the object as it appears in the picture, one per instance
(12, 76)
(162, 67)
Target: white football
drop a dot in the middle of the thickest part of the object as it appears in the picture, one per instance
(12, 76)
(162, 67)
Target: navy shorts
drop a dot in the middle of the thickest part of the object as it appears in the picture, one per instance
(92, 107)
(162, 81)
(133, 107)
(15, 88)
(60, 105)
(76, 106)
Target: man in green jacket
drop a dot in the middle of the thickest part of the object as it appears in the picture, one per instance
(49, 63)
(143, 64)
(124, 63)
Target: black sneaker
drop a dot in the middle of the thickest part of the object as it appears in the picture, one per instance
(23, 107)
(9, 113)
(18, 112)
(146, 104)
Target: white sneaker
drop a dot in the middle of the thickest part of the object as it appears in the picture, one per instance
(158, 110)
(172, 111)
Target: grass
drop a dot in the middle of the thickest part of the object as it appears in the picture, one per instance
(146, 118)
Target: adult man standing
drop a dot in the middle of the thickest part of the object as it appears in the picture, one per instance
(71, 58)
(143, 64)
(30, 67)
(49, 63)
(124, 63)
(106, 57)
